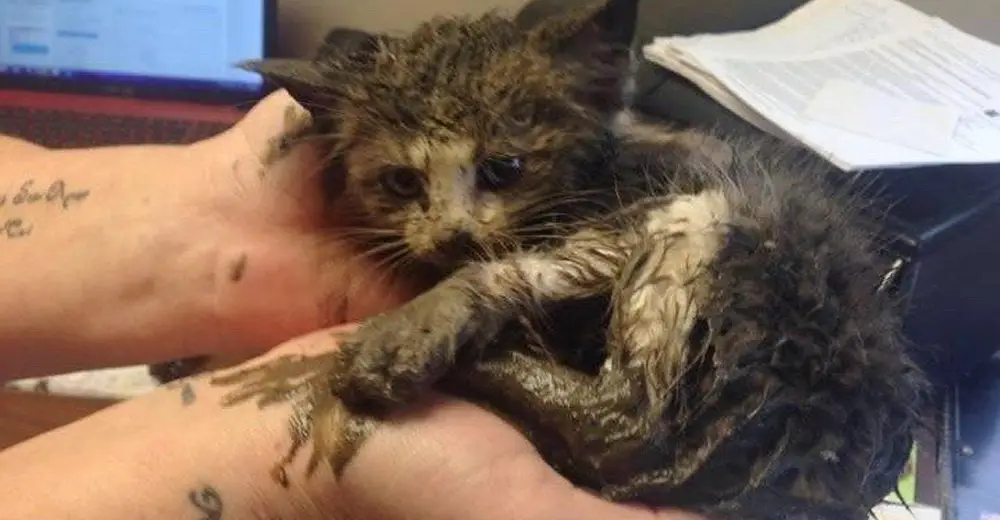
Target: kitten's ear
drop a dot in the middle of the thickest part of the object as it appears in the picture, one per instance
(343, 42)
(303, 79)
(595, 34)
(596, 25)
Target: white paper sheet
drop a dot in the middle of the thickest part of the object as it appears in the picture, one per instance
(855, 108)
(927, 71)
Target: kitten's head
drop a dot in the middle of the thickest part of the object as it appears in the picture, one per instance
(455, 138)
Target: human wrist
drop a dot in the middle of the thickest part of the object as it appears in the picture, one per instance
(146, 457)
(105, 273)
(11, 146)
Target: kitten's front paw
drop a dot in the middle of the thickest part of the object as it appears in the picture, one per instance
(393, 357)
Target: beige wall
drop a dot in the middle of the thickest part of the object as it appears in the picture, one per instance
(302, 23)
(977, 17)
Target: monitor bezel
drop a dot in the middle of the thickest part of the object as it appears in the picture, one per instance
(154, 88)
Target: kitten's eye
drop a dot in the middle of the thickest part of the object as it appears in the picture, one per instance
(497, 173)
(401, 182)
(522, 117)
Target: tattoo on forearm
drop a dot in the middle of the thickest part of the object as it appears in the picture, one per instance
(188, 396)
(185, 387)
(208, 502)
(15, 228)
(57, 193)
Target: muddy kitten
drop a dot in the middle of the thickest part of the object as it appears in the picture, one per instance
(429, 172)
(460, 162)
(440, 155)
(682, 328)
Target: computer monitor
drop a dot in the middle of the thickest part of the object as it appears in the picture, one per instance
(168, 49)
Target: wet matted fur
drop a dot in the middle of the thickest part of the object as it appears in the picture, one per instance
(705, 329)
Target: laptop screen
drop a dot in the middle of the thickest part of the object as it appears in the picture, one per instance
(178, 42)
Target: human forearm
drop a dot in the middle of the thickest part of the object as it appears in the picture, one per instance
(441, 459)
(11, 146)
(222, 248)
(173, 454)
(88, 264)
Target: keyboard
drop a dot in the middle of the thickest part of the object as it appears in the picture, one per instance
(68, 129)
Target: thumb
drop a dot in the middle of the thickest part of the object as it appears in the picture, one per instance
(272, 117)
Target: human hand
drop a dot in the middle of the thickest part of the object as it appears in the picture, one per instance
(292, 269)
(175, 453)
(443, 459)
(216, 248)
(448, 460)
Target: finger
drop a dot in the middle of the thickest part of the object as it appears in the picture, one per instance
(314, 343)
(262, 138)
(270, 118)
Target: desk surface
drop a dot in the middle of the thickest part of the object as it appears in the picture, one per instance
(25, 415)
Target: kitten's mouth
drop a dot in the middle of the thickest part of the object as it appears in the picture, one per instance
(457, 252)
(443, 259)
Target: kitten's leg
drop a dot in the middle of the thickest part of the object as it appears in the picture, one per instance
(600, 432)
(609, 422)
(405, 351)
(397, 354)
(653, 334)
(656, 302)
(585, 420)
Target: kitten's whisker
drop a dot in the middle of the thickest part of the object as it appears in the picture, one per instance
(543, 227)
(388, 248)
(575, 220)
(489, 252)
(386, 264)
(552, 226)
(393, 262)
(546, 237)
(548, 220)
(561, 200)
(572, 209)
(377, 251)
(368, 232)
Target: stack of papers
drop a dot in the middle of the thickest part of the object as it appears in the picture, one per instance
(865, 83)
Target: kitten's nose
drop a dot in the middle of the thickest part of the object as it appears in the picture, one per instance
(460, 244)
